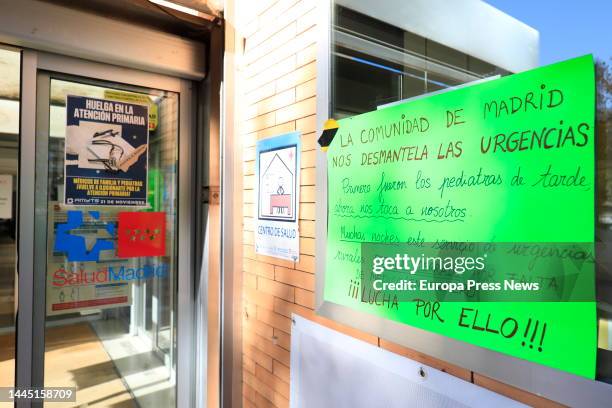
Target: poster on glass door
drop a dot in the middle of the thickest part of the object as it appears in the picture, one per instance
(277, 174)
(106, 152)
(81, 262)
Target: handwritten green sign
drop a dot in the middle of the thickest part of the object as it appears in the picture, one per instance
(508, 160)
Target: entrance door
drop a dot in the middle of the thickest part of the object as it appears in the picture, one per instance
(111, 221)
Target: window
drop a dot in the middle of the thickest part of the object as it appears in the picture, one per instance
(374, 63)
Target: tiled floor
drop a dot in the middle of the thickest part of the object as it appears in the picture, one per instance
(142, 369)
(99, 363)
(75, 358)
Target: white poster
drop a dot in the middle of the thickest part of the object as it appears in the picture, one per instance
(331, 369)
(6, 196)
(277, 191)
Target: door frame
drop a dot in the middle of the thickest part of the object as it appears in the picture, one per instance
(32, 283)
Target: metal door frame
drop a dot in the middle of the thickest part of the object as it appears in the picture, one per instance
(31, 321)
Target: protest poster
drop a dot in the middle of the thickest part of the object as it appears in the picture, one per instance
(486, 167)
(106, 152)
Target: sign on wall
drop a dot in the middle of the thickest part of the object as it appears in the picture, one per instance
(277, 194)
(505, 161)
(106, 152)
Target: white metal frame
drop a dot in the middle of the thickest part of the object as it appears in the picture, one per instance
(472, 27)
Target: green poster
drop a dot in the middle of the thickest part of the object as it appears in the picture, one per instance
(510, 160)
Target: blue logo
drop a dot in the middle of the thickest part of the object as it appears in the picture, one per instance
(74, 245)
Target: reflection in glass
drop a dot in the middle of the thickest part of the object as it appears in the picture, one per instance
(374, 63)
(114, 341)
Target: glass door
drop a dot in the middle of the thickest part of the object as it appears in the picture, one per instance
(107, 248)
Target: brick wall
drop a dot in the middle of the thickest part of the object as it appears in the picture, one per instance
(277, 88)
(278, 82)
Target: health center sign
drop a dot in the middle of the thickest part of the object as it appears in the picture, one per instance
(508, 164)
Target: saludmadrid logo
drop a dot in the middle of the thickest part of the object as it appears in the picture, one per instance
(110, 274)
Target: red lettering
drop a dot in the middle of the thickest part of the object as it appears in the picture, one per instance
(59, 278)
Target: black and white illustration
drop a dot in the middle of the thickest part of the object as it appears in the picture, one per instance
(277, 184)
